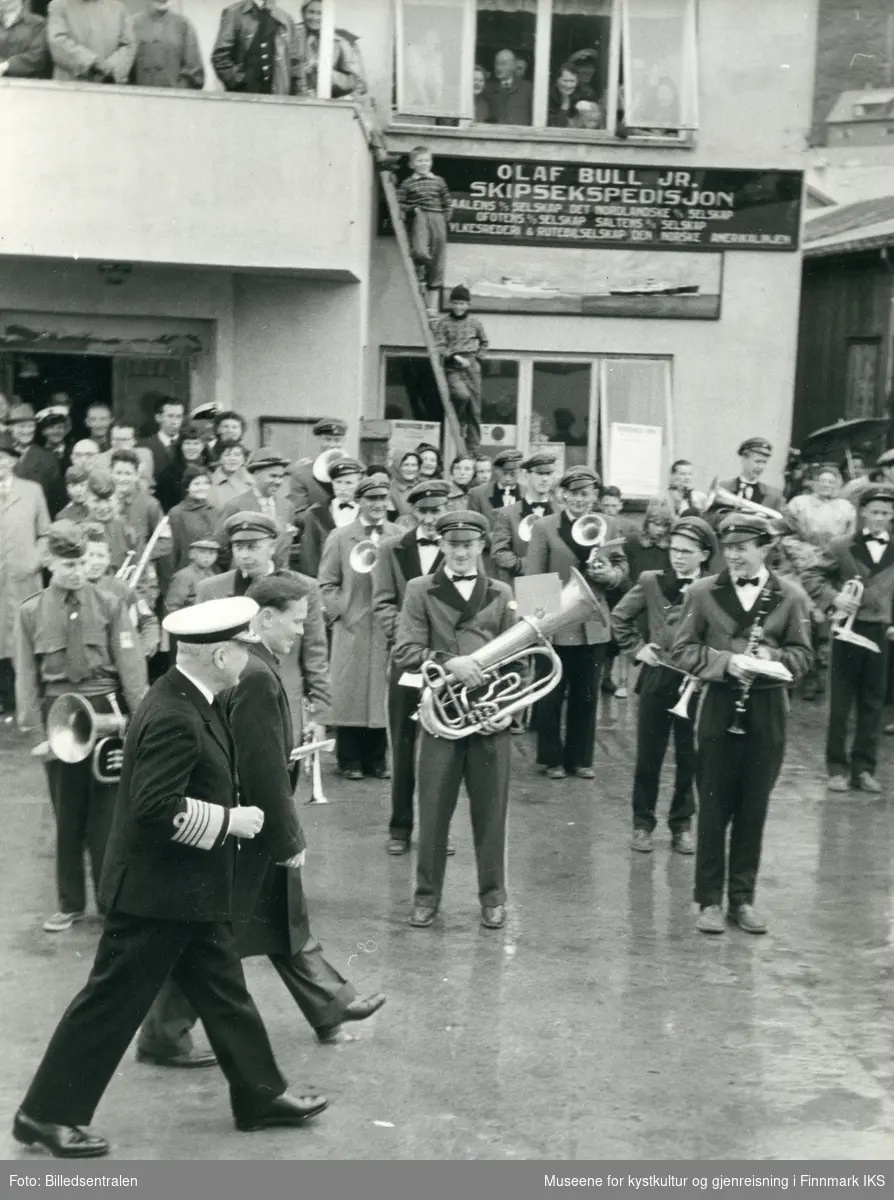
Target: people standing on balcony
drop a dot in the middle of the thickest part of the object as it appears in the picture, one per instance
(462, 342)
(510, 99)
(168, 54)
(425, 206)
(257, 50)
(482, 108)
(91, 40)
(23, 43)
(348, 74)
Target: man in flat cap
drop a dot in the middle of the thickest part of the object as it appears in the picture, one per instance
(462, 343)
(503, 491)
(75, 637)
(730, 620)
(24, 521)
(446, 617)
(341, 509)
(304, 488)
(857, 680)
(582, 648)
(267, 471)
(411, 555)
(359, 664)
(644, 625)
(512, 526)
(754, 454)
(168, 891)
(33, 462)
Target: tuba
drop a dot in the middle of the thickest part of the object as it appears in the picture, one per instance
(363, 557)
(75, 730)
(450, 710)
(726, 499)
(843, 623)
(322, 464)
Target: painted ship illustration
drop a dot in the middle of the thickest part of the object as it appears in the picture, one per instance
(655, 287)
(508, 287)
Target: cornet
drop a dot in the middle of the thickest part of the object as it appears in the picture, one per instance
(690, 685)
(363, 557)
(843, 623)
(592, 530)
(727, 499)
(75, 730)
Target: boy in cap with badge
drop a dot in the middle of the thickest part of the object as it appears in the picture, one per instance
(754, 454)
(75, 637)
(168, 892)
(320, 519)
(644, 624)
(509, 547)
(729, 620)
(184, 586)
(447, 616)
(462, 343)
(304, 489)
(359, 661)
(857, 678)
(505, 490)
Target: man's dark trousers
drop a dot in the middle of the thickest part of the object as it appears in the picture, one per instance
(581, 670)
(402, 705)
(856, 680)
(654, 725)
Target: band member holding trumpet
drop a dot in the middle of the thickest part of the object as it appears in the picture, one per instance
(488, 498)
(746, 634)
(513, 525)
(75, 637)
(409, 556)
(644, 624)
(359, 663)
(854, 581)
(582, 647)
(754, 454)
(446, 617)
(335, 511)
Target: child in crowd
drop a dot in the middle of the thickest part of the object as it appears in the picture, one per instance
(185, 582)
(194, 517)
(425, 205)
(484, 469)
(462, 342)
(76, 489)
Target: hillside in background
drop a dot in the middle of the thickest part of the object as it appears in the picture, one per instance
(854, 50)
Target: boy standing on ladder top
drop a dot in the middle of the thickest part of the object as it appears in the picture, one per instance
(425, 205)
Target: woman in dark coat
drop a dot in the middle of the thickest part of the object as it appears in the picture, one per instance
(194, 517)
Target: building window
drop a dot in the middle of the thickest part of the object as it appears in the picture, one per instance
(560, 409)
(582, 66)
(861, 389)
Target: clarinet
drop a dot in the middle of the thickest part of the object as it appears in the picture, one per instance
(755, 636)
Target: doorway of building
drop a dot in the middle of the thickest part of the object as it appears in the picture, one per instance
(42, 379)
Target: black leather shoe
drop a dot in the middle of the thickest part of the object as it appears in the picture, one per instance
(357, 1010)
(422, 917)
(493, 918)
(62, 1141)
(189, 1060)
(285, 1110)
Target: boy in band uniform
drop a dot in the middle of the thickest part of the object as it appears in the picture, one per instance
(508, 550)
(754, 454)
(489, 498)
(304, 489)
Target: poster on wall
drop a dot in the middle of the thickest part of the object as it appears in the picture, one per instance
(406, 435)
(634, 459)
(499, 436)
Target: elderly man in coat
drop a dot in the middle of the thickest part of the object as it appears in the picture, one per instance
(359, 648)
(91, 40)
(24, 520)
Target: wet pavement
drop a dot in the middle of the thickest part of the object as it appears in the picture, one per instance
(596, 1024)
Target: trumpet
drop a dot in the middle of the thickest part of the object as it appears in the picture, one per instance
(843, 622)
(311, 757)
(131, 574)
(727, 499)
(323, 463)
(689, 687)
(363, 557)
(75, 730)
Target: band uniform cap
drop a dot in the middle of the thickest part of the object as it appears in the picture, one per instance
(204, 544)
(429, 493)
(464, 522)
(20, 412)
(697, 530)
(761, 445)
(576, 478)
(877, 491)
(330, 427)
(541, 462)
(508, 458)
(262, 460)
(53, 414)
(65, 539)
(205, 412)
(886, 459)
(250, 526)
(213, 621)
(345, 466)
(101, 484)
(745, 527)
(8, 446)
(373, 486)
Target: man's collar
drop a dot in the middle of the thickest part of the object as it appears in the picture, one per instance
(9, 21)
(165, 439)
(197, 684)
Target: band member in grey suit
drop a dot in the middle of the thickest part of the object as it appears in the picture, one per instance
(508, 548)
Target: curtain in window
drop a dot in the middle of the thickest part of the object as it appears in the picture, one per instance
(435, 55)
(660, 89)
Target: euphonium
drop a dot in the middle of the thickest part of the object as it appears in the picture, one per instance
(843, 622)
(322, 464)
(75, 730)
(363, 557)
(450, 710)
(720, 495)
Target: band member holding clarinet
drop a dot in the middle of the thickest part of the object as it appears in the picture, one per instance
(644, 624)
(746, 634)
(854, 581)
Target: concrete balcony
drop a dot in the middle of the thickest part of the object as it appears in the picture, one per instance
(259, 184)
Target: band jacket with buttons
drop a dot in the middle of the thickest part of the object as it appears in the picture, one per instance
(305, 673)
(487, 499)
(552, 550)
(84, 34)
(235, 38)
(714, 626)
(23, 522)
(848, 558)
(23, 47)
(507, 548)
(650, 613)
(168, 856)
(359, 663)
(436, 622)
(114, 658)
(398, 562)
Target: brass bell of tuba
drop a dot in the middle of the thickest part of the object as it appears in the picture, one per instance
(363, 557)
(450, 710)
(526, 527)
(323, 463)
(75, 730)
(727, 499)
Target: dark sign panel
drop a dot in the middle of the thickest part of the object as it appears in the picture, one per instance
(522, 202)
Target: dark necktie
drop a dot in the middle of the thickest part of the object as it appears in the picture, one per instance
(343, 504)
(76, 666)
(741, 583)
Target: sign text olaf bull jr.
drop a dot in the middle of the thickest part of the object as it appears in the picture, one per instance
(628, 207)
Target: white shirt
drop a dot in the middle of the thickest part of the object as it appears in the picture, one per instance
(427, 554)
(508, 495)
(465, 587)
(165, 440)
(745, 489)
(268, 505)
(343, 516)
(748, 595)
(196, 683)
(876, 549)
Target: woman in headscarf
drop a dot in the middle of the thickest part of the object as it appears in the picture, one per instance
(430, 464)
(405, 474)
(823, 513)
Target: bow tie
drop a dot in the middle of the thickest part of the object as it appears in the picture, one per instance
(373, 528)
(426, 541)
(342, 504)
(464, 578)
(754, 582)
(540, 509)
(881, 538)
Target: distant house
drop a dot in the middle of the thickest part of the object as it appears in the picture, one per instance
(863, 118)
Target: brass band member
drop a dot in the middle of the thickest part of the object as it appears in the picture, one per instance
(508, 548)
(754, 454)
(409, 556)
(645, 624)
(857, 672)
(744, 609)
(304, 489)
(75, 637)
(488, 498)
(332, 513)
(683, 500)
(582, 648)
(447, 616)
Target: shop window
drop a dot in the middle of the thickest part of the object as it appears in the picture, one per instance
(560, 408)
(411, 394)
